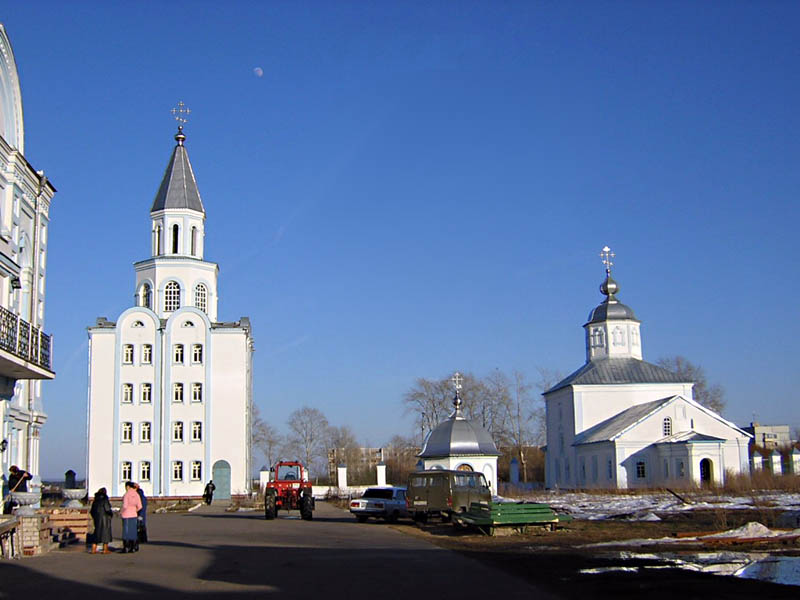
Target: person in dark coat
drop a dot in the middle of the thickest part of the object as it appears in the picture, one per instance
(208, 493)
(17, 482)
(101, 515)
(142, 517)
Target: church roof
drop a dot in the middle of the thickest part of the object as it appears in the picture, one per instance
(688, 437)
(178, 187)
(458, 436)
(611, 310)
(610, 428)
(607, 371)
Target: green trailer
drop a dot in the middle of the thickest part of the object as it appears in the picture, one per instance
(509, 517)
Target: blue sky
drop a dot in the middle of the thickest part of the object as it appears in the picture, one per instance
(417, 187)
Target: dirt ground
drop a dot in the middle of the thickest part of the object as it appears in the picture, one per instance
(554, 560)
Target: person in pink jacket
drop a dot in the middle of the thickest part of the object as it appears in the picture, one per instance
(131, 505)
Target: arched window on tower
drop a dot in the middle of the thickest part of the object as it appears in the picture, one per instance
(172, 296)
(201, 297)
(175, 232)
(194, 241)
(157, 241)
(667, 426)
(146, 298)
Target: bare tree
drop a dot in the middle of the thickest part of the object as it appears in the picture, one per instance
(342, 447)
(400, 456)
(265, 438)
(430, 401)
(710, 396)
(308, 428)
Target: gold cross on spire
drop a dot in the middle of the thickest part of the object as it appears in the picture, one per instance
(607, 255)
(181, 113)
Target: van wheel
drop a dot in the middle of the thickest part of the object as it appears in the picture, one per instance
(392, 518)
(361, 518)
(420, 517)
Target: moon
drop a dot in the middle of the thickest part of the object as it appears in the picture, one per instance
(259, 72)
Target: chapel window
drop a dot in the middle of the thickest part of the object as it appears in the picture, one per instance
(201, 297)
(144, 471)
(197, 470)
(127, 354)
(178, 354)
(175, 233)
(127, 432)
(194, 241)
(172, 296)
(177, 392)
(147, 354)
(157, 241)
(126, 472)
(177, 470)
(127, 393)
(197, 431)
(667, 426)
(641, 470)
(147, 393)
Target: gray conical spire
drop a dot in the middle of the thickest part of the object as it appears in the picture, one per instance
(178, 187)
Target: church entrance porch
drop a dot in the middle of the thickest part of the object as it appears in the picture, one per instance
(221, 474)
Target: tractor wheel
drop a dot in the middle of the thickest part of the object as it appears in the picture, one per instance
(269, 506)
(306, 510)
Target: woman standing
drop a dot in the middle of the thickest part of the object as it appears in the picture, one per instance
(101, 515)
(131, 505)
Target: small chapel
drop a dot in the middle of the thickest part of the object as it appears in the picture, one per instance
(170, 384)
(621, 422)
(460, 444)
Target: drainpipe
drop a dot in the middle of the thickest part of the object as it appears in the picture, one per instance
(34, 312)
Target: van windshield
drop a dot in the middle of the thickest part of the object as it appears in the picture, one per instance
(384, 494)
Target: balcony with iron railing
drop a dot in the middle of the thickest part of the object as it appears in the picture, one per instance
(25, 350)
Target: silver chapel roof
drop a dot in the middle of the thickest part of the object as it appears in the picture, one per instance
(178, 187)
(610, 308)
(458, 436)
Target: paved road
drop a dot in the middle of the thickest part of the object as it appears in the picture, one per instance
(210, 553)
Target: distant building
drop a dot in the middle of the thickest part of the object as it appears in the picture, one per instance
(769, 436)
(621, 422)
(170, 386)
(365, 459)
(25, 349)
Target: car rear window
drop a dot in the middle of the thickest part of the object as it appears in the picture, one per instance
(378, 493)
(418, 481)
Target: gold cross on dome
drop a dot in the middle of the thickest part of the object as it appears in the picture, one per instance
(179, 111)
(607, 255)
(457, 379)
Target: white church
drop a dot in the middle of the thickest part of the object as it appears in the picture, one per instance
(621, 422)
(170, 386)
(26, 350)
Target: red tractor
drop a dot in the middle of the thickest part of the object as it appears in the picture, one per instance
(288, 488)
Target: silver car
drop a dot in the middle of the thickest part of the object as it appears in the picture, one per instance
(385, 502)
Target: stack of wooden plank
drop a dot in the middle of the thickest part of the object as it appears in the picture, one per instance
(514, 515)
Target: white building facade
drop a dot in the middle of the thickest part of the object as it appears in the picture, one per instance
(621, 422)
(26, 351)
(170, 386)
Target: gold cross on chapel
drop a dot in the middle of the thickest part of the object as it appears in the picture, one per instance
(181, 113)
(606, 256)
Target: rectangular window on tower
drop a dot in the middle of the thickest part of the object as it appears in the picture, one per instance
(177, 431)
(126, 472)
(127, 432)
(147, 393)
(197, 431)
(147, 354)
(177, 392)
(127, 354)
(127, 393)
(177, 470)
(197, 392)
(197, 470)
(178, 354)
(144, 432)
(197, 354)
(144, 471)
